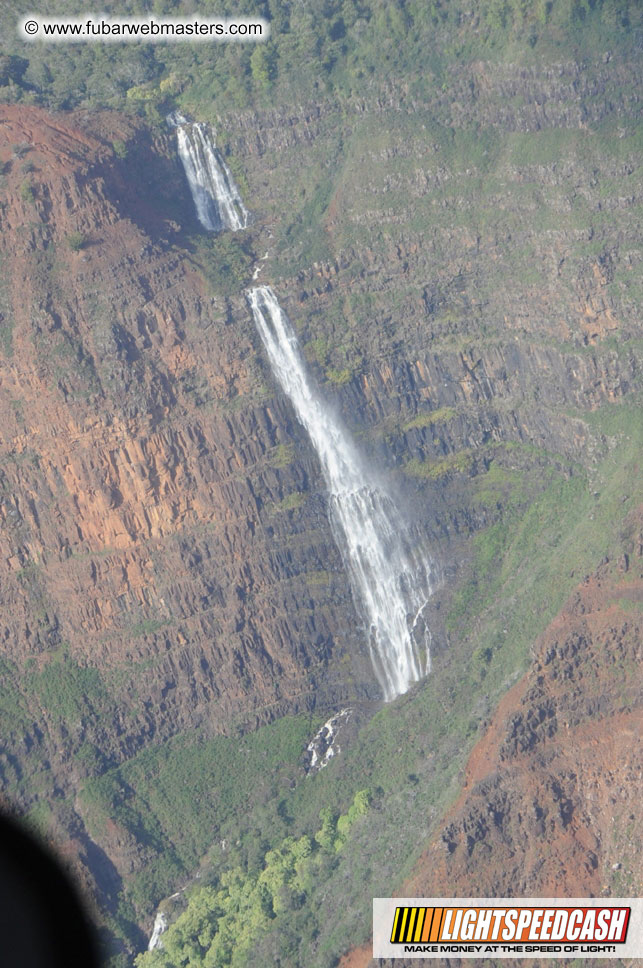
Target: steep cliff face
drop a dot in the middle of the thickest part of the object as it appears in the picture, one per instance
(471, 293)
(146, 482)
(474, 256)
(550, 800)
(462, 271)
(166, 561)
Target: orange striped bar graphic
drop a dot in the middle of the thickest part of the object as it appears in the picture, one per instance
(415, 925)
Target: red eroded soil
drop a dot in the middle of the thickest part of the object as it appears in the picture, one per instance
(551, 801)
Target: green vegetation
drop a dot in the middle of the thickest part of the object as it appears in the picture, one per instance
(221, 924)
(226, 261)
(433, 470)
(566, 529)
(339, 377)
(283, 456)
(317, 349)
(441, 415)
(498, 485)
(292, 501)
(149, 626)
(76, 241)
(68, 691)
(26, 192)
(14, 712)
(314, 578)
(343, 50)
(630, 605)
(6, 319)
(181, 797)
(39, 819)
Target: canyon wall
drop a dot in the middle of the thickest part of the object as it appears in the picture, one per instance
(462, 271)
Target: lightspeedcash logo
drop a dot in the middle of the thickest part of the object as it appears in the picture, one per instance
(508, 927)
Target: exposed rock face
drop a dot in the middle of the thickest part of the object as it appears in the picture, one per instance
(551, 798)
(163, 522)
(144, 467)
(551, 802)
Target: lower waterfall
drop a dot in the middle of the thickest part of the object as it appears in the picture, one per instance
(390, 580)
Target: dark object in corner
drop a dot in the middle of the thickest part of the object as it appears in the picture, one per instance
(42, 921)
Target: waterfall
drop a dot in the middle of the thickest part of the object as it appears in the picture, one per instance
(390, 580)
(160, 926)
(215, 195)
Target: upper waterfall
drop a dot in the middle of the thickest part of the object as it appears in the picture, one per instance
(216, 197)
(390, 579)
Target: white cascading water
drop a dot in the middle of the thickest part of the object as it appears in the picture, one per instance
(216, 197)
(390, 581)
(160, 926)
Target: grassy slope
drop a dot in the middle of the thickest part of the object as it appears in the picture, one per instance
(412, 751)
(410, 754)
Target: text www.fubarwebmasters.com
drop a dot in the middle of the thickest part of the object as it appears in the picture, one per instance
(101, 28)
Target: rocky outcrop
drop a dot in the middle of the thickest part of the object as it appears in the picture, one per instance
(148, 526)
(550, 799)
(553, 788)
